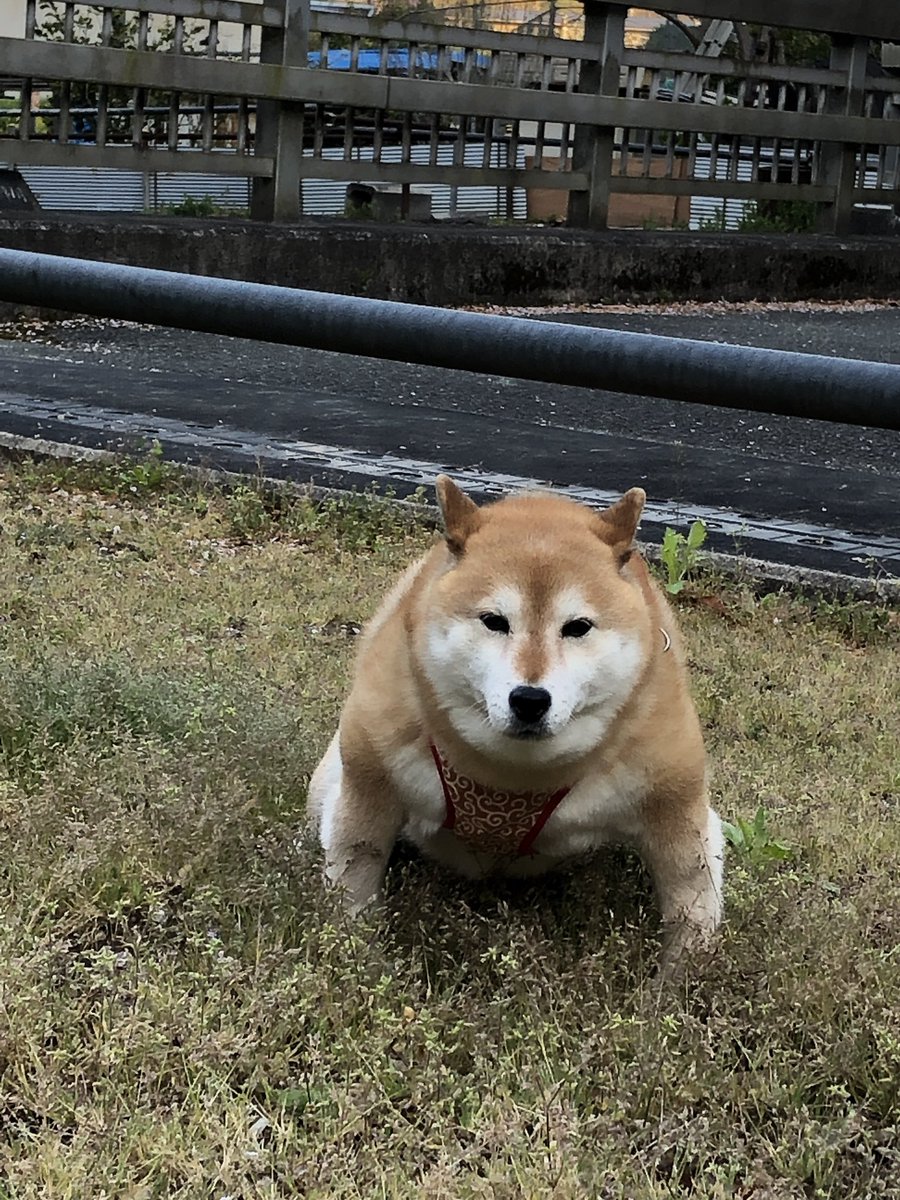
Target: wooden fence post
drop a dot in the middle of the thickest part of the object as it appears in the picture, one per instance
(592, 151)
(279, 125)
(850, 56)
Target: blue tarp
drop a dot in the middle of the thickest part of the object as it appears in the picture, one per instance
(397, 60)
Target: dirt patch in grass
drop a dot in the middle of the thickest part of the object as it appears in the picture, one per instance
(185, 1016)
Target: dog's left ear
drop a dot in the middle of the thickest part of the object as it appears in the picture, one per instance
(461, 516)
(619, 523)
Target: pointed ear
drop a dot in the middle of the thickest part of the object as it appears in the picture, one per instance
(619, 523)
(461, 515)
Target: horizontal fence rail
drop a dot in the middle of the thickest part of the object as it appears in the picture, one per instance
(773, 381)
(298, 84)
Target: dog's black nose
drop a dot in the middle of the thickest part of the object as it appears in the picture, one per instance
(529, 703)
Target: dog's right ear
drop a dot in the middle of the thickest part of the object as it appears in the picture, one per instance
(619, 523)
(461, 516)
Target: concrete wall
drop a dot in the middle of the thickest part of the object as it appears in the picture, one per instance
(459, 265)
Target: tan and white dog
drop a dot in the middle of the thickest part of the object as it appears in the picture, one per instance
(520, 698)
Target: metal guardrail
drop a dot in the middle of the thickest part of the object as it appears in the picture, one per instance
(773, 381)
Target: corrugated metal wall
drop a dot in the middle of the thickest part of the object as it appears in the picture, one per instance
(99, 190)
(324, 197)
(710, 211)
(87, 188)
(228, 191)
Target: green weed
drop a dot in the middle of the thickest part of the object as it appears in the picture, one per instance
(202, 206)
(858, 621)
(140, 476)
(679, 555)
(248, 513)
(753, 840)
(779, 216)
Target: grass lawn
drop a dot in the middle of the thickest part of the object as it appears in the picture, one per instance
(185, 1016)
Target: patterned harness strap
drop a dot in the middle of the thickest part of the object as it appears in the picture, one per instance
(491, 819)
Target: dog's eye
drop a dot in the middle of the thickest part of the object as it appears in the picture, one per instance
(577, 629)
(494, 622)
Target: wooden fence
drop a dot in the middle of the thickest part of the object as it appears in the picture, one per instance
(273, 91)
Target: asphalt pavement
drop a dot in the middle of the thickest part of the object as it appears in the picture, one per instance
(793, 491)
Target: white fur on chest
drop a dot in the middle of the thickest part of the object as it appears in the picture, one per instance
(597, 810)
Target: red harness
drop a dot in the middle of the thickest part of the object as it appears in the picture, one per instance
(491, 820)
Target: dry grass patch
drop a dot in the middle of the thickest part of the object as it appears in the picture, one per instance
(184, 1015)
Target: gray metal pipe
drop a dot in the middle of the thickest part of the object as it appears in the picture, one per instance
(770, 381)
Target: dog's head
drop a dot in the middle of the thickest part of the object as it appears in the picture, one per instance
(537, 631)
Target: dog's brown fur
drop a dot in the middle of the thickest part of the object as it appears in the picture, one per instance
(642, 780)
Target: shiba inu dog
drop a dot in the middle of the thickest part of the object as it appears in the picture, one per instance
(520, 698)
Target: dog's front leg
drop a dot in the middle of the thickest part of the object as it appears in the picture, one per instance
(684, 854)
(358, 830)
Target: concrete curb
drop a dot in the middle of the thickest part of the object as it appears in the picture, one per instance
(762, 576)
(469, 264)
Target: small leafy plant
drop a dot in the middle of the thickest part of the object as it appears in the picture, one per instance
(679, 555)
(138, 477)
(197, 206)
(753, 840)
(248, 514)
(779, 216)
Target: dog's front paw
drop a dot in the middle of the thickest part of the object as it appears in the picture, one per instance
(687, 945)
(357, 875)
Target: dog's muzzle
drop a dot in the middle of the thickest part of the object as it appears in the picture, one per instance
(529, 706)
